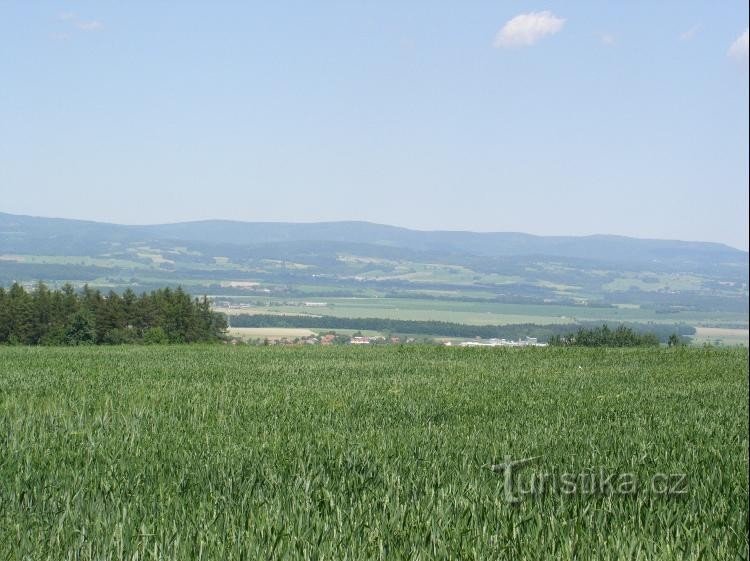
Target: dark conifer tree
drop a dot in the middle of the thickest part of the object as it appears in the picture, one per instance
(63, 316)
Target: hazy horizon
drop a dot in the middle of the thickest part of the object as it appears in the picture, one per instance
(559, 118)
(561, 235)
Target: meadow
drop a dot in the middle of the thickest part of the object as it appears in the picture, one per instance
(220, 452)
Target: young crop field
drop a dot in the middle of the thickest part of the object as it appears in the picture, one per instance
(421, 452)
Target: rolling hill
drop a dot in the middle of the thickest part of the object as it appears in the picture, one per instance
(28, 233)
(361, 258)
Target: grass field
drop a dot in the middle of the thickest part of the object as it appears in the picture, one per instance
(370, 453)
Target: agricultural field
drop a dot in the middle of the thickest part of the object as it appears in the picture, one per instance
(719, 336)
(271, 333)
(290, 333)
(221, 452)
(482, 313)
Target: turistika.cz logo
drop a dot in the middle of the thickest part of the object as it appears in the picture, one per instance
(519, 484)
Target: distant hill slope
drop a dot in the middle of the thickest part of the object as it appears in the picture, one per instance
(31, 235)
(665, 278)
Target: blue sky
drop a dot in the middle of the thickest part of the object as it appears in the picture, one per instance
(550, 118)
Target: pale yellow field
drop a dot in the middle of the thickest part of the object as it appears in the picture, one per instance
(255, 311)
(721, 335)
(269, 332)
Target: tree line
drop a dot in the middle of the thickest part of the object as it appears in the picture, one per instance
(621, 336)
(561, 332)
(66, 317)
(400, 326)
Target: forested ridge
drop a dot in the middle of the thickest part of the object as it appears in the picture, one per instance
(67, 317)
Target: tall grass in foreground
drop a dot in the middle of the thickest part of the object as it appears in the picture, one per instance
(367, 453)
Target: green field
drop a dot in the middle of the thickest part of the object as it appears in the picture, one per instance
(219, 452)
(489, 313)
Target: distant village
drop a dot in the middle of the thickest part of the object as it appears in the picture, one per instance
(358, 338)
(334, 338)
(526, 342)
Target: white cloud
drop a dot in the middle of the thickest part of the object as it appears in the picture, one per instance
(607, 38)
(80, 24)
(92, 25)
(690, 33)
(526, 29)
(739, 48)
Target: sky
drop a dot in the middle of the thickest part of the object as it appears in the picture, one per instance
(552, 118)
